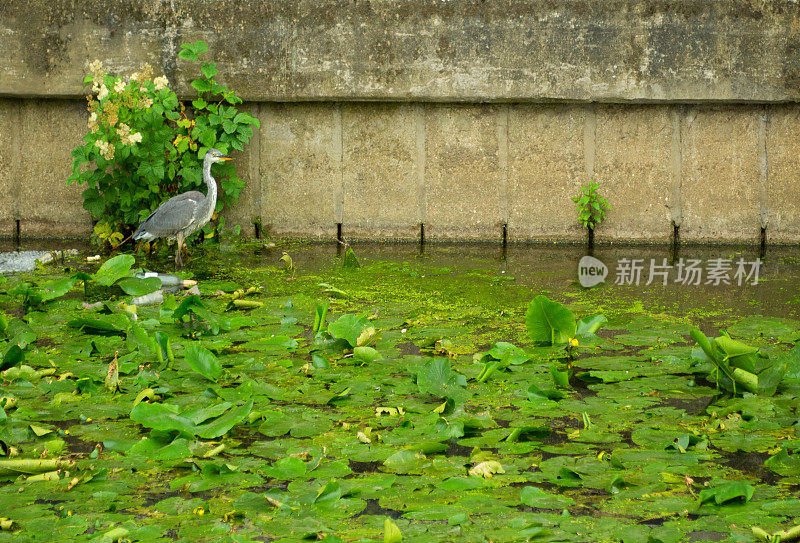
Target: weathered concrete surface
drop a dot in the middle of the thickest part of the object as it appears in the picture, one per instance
(381, 169)
(783, 193)
(419, 50)
(34, 165)
(632, 164)
(9, 186)
(301, 176)
(379, 165)
(720, 175)
(464, 197)
(546, 169)
(52, 128)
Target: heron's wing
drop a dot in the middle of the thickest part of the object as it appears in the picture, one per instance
(171, 217)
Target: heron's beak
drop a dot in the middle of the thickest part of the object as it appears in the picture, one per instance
(225, 158)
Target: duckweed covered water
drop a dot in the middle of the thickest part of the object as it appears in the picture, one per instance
(261, 422)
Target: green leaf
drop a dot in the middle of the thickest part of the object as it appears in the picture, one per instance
(114, 269)
(365, 354)
(350, 260)
(12, 357)
(590, 325)
(106, 326)
(536, 393)
(203, 362)
(56, 289)
(201, 85)
(549, 322)
(391, 533)
(329, 493)
(535, 497)
(163, 417)
(222, 425)
(726, 492)
(348, 327)
(286, 469)
(438, 379)
(209, 69)
(320, 315)
(139, 286)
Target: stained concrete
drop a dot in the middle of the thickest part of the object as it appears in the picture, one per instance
(463, 116)
(379, 171)
(782, 205)
(419, 50)
(51, 129)
(463, 195)
(546, 169)
(632, 148)
(9, 178)
(463, 170)
(301, 178)
(721, 175)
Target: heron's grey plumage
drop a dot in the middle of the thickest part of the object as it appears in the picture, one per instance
(182, 215)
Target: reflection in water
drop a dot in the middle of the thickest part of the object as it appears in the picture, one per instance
(549, 268)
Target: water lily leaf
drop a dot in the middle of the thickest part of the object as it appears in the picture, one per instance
(139, 286)
(590, 325)
(163, 417)
(726, 492)
(784, 464)
(12, 356)
(536, 393)
(114, 269)
(222, 425)
(155, 449)
(348, 327)
(391, 533)
(106, 326)
(365, 354)
(486, 469)
(458, 484)
(286, 469)
(549, 322)
(55, 289)
(533, 496)
(203, 362)
(438, 379)
(329, 493)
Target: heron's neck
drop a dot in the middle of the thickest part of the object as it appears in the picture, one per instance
(210, 183)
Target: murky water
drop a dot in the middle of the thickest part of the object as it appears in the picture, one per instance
(554, 269)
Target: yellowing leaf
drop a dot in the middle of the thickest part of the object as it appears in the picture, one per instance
(486, 469)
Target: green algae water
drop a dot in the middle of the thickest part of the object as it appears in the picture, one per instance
(355, 403)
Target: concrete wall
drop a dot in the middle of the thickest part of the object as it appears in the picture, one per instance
(462, 115)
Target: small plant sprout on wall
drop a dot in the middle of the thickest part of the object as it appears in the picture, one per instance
(592, 208)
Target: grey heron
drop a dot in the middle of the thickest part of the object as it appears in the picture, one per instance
(181, 215)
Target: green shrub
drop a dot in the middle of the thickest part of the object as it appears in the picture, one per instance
(144, 146)
(592, 207)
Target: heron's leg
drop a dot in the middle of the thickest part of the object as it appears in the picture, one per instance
(178, 259)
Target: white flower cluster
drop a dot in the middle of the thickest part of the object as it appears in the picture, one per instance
(106, 149)
(93, 121)
(119, 86)
(96, 68)
(126, 137)
(161, 82)
(100, 89)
